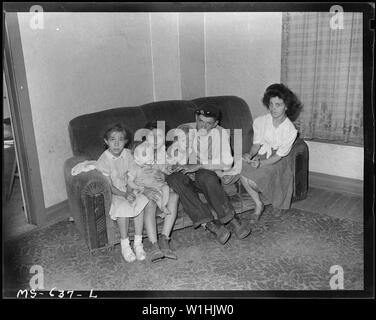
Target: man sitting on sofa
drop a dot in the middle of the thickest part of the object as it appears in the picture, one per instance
(202, 176)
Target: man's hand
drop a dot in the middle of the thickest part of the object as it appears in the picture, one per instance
(158, 175)
(189, 168)
(171, 168)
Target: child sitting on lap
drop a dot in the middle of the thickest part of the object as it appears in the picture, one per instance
(141, 176)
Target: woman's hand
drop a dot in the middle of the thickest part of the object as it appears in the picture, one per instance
(151, 194)
(255, 163)
(247, 157)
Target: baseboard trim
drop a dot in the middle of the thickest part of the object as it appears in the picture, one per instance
(57, 213)
(336, 183)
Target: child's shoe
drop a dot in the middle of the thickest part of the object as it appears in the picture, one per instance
(139, 250)
(165, 247)
(126, 250)
(128, 254)
(155, 254)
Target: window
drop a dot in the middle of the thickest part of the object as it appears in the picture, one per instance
(324, 67)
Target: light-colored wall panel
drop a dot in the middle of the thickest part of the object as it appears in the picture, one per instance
(192, 55)
(165, 53)
(336, 160)
(80, 63)
(243, 55)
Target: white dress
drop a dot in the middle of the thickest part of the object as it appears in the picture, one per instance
(117, 169)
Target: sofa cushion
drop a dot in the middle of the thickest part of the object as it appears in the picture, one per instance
(174, 112)
(86, 131)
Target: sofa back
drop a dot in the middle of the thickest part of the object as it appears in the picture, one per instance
(86, 131)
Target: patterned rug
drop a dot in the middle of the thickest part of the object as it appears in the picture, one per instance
(291, 252)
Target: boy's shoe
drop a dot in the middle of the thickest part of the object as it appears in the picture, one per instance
(128, 254)
(139, 251)
(156, 254)
(165, 247)
(241, 229)
(219, 231)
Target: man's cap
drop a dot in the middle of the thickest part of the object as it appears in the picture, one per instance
(208, 110)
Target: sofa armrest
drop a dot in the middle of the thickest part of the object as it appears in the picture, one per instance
(90, 183)
(89, 197)
(299, 165)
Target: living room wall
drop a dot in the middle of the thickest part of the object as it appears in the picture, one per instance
(86, 62)
(243, 55)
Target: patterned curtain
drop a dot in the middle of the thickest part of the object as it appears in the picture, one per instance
(324, 67)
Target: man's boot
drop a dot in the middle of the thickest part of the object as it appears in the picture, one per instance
(219, 231)
(241, 229)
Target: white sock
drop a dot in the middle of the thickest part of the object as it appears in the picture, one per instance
(124, 243)
(137, 239)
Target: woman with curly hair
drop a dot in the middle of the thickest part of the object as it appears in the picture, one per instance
(265, 168)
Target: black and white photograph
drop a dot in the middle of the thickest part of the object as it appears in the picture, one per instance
(188, 150)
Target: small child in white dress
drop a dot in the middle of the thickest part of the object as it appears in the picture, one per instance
(114, 163)
(139, 176)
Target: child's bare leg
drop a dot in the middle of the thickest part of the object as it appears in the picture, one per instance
(170, 219)
(126, 250)
(150, 222)
(139, 224)
(123, 224)
(137, 245)
(151, 230)
(168, 224)
(165, 196)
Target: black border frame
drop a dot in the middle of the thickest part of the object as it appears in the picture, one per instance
(368, 116)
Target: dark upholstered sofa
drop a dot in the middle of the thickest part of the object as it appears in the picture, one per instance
(89, 194)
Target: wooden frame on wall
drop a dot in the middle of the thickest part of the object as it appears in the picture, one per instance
(20, 109)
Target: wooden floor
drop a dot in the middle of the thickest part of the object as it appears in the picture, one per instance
(335, 204)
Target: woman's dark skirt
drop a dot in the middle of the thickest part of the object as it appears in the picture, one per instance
(275, 181)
